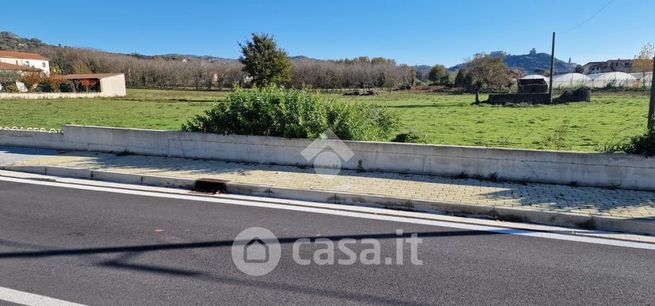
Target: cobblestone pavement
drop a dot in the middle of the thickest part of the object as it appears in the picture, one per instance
(580, 200)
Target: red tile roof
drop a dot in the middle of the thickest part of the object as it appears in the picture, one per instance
(6, 66)
(22, 55)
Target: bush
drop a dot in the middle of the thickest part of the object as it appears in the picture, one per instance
(32, 80)
(274, 111)
(8, 77)
(643, 144)
(408, 137)
(11, 88)
(68, 86)
(52, 83)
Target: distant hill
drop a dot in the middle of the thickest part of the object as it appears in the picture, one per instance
(203, 58)
(531, 63)
(13, 42)
(422, 72)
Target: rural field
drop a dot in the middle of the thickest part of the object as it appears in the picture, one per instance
(438, 118)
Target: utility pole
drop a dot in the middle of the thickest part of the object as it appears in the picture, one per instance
(651, 108)
(552, 70)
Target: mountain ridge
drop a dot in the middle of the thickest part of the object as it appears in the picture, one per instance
(531, 63)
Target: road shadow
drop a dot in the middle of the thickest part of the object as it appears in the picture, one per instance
(126, 253)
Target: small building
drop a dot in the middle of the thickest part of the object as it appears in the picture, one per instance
(532, 85)
(24, 59)
(618, 65)
(108, 84)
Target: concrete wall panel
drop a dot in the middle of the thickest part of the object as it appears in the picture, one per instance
(587, 169)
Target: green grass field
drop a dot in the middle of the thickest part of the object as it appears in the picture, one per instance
(439, 118)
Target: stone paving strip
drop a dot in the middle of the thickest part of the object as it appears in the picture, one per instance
(543, 197)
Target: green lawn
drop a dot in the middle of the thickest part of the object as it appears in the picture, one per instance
(451, 119)
(443, 119)
(151, 109)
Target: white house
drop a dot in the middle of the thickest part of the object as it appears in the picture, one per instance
(25, 59)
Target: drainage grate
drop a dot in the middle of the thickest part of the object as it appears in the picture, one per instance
(210, 186)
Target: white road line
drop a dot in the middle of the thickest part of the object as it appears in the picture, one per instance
(463, 226)
(26, 298)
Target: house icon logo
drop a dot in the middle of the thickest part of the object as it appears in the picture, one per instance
(327, 153)
(256, 251)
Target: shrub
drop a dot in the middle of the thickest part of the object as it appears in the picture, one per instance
(408, 137)
(31, 80)
(8, 77)
(12, 88)
(274, 111)
(642, 144)
(52, 83)
(68, 86)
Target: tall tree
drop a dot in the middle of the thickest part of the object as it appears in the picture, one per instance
(439, 74)
(643, 62)
(264, 61)
(484, 72)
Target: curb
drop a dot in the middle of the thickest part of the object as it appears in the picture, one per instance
(511, 214)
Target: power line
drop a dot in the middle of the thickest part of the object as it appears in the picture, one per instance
(590, 18)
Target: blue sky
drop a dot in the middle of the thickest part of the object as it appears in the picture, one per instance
(412, 32)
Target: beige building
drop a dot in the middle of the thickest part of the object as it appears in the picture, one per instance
(24, 59)
(111, 84)
(617, 65)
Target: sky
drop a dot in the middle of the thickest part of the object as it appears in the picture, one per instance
(410, 31)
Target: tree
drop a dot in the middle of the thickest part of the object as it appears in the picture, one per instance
(643, 62)
(439, 75)
(484, 72)
(31, 79)
(53, 82)
(264, 61)
(8, 77)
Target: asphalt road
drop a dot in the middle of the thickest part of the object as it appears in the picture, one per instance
(96, 247)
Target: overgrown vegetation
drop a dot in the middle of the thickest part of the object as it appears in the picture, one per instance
(274, 111)
(642, 144)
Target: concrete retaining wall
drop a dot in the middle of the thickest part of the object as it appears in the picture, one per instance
(586, 169)
(53, 95)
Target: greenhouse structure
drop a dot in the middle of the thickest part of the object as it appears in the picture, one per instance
(571, 80)
(613, 79)
(643, 79)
